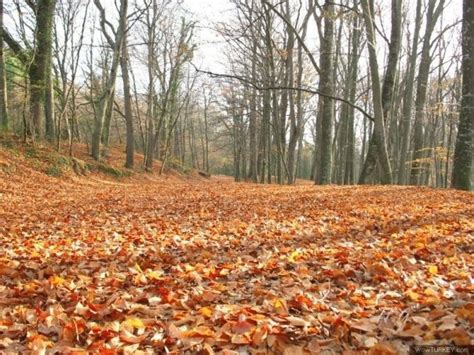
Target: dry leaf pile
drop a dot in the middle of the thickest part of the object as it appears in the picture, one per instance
(90, 266)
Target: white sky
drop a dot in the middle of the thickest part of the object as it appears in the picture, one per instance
(210, 45)
(208, 13)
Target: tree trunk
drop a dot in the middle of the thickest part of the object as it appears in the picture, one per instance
(49, 97)
(432, 16)
(3, 80)
(370, 163)
(110, 83)
(109, 114)
(253, 147)
(206, 143)
(150, 134)
(353, 70)
(378, 136)
(130, 147)
(40, 68)
(461, 178)
(408, 98)
(327, 110)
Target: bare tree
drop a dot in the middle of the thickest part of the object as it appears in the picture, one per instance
(327, 87)
(379, 139)
(69, 41)
(408, 96)
(432, 15)
(115, 44)
(373, 154)
(130, 146)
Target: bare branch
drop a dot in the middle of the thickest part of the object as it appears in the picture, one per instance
(261, 88)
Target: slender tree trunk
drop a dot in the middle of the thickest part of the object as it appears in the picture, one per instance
(462, 167)
(327, 110)
(130, 147)
(109, 114)
(387, 91)
(289, 66)
(49, 97)
(448, 152)
(3, 80)
(408, 97)
(150, 134)
(108, 90)
(349, 172)
(206, 142)
(379, 124)
(253, 143)
(433, 13)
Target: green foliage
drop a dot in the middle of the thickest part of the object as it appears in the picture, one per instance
(54, 171)
(32, 153)
(15, 70)
(80, 167)
(58, 159)
(58, 164)
(51, 163)
(109, 170)
(175, 164)
(10, 145)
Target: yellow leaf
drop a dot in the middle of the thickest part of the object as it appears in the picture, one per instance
(154, 275)
(431, 292)
(56, 280)
(138, 268)
(294, 256)
(280, 306)
(134, 322)
(413, 296)
(433, 270)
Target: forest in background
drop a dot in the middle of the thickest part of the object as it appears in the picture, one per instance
(349, 92)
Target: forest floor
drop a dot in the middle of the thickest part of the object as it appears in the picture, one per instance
(201, 266)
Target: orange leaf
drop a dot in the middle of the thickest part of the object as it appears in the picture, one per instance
(382, 349)
(56, 280)
(240, 339)
(242, 327)
(206, 312)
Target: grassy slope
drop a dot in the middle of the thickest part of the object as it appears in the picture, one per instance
(17, 157)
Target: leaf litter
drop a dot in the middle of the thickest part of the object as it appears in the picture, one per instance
(199, 267)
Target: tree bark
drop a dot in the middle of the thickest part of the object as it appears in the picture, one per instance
(40, 71)
(378, 136)
(108, 90)
(3, 80)
(370, 163)
(432, 16)
(408, 98)
(349, 173)
(327, 110)
(461, 178)
(130, 145)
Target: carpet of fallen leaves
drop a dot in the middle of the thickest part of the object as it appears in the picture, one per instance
(216, 267)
